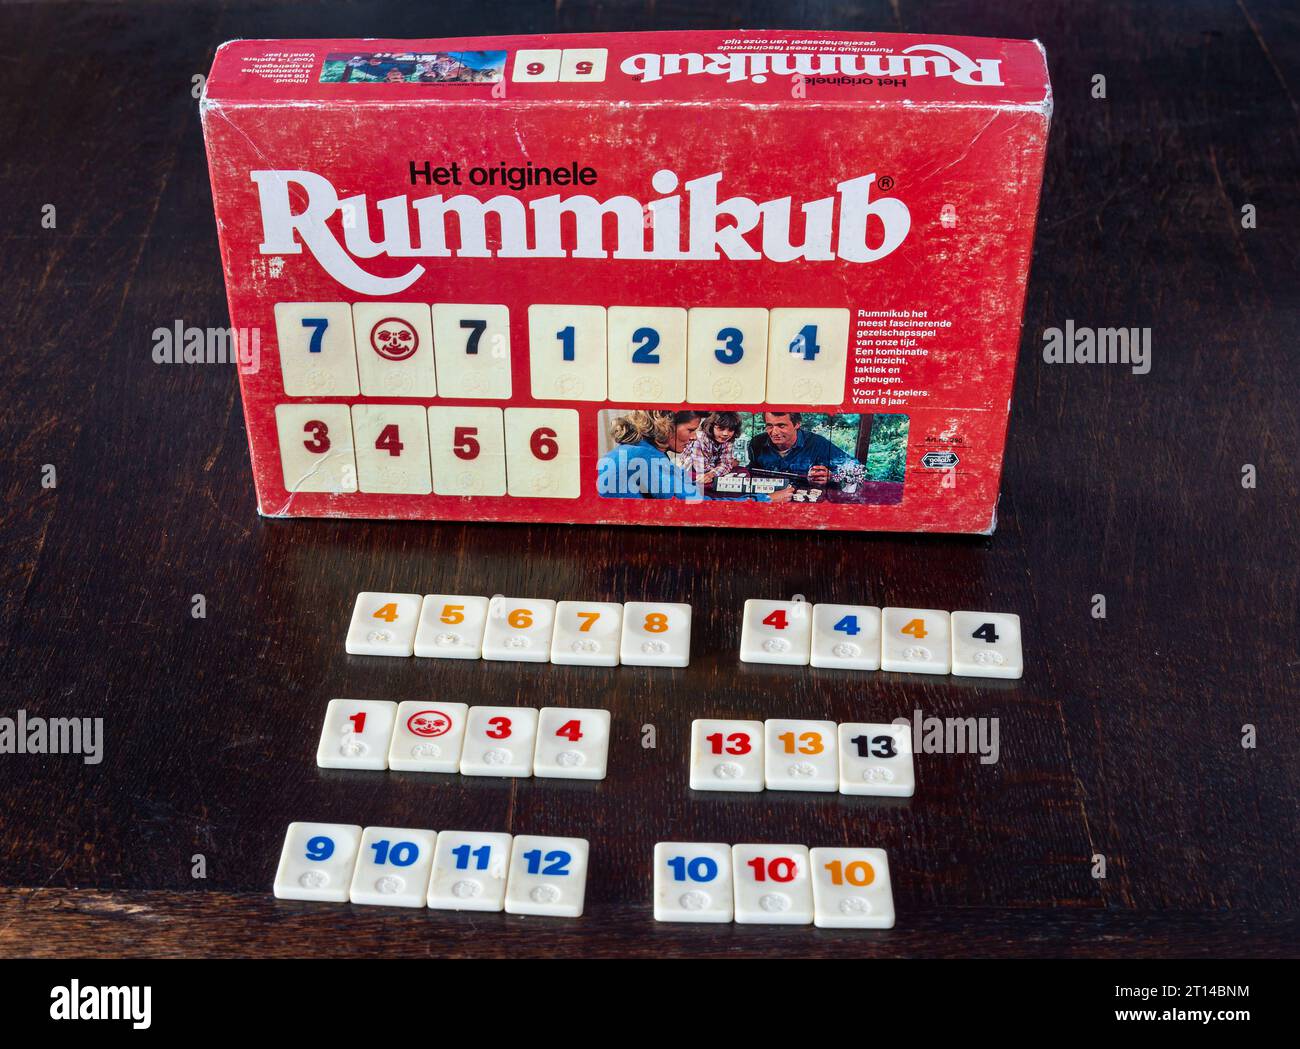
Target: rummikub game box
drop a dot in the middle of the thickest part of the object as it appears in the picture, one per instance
(763, 279)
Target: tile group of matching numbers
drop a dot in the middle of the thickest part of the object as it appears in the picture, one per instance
(447, 870)
(419, 736)
(832, 888)
(637, 354)
(582, 633)
(864, 637)
(785, 754)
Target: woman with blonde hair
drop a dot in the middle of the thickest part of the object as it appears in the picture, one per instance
(643, 464)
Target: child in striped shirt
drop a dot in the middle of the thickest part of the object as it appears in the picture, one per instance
(711, 454)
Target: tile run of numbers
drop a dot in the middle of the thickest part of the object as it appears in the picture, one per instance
(445, 870)
(526, 630)
(832, 888)
(865, 637)
(433, 736)
(406, 449)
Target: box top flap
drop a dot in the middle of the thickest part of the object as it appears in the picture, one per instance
(720, 67)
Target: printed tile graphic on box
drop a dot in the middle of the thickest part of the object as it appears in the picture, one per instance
(506, 313)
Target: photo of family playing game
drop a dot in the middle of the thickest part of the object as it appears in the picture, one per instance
(408, 67)
(774, 456)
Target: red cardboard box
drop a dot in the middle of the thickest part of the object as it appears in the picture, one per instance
(765, 279)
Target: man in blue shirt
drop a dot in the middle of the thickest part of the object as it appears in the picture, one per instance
(785, 447)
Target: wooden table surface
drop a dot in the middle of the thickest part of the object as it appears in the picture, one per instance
(1124, 739)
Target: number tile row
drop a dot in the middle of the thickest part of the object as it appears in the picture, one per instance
(529, 630)
(865, 637)
(449, 870)
(666, 354)
(419, 736)
(832, 888)
(406, 449)
(572, 65)
(784, 754)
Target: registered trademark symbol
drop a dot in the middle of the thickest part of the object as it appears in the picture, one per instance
(885, 182)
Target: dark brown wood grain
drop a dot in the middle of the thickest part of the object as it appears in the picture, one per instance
(1123, 740)
(43, 924)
